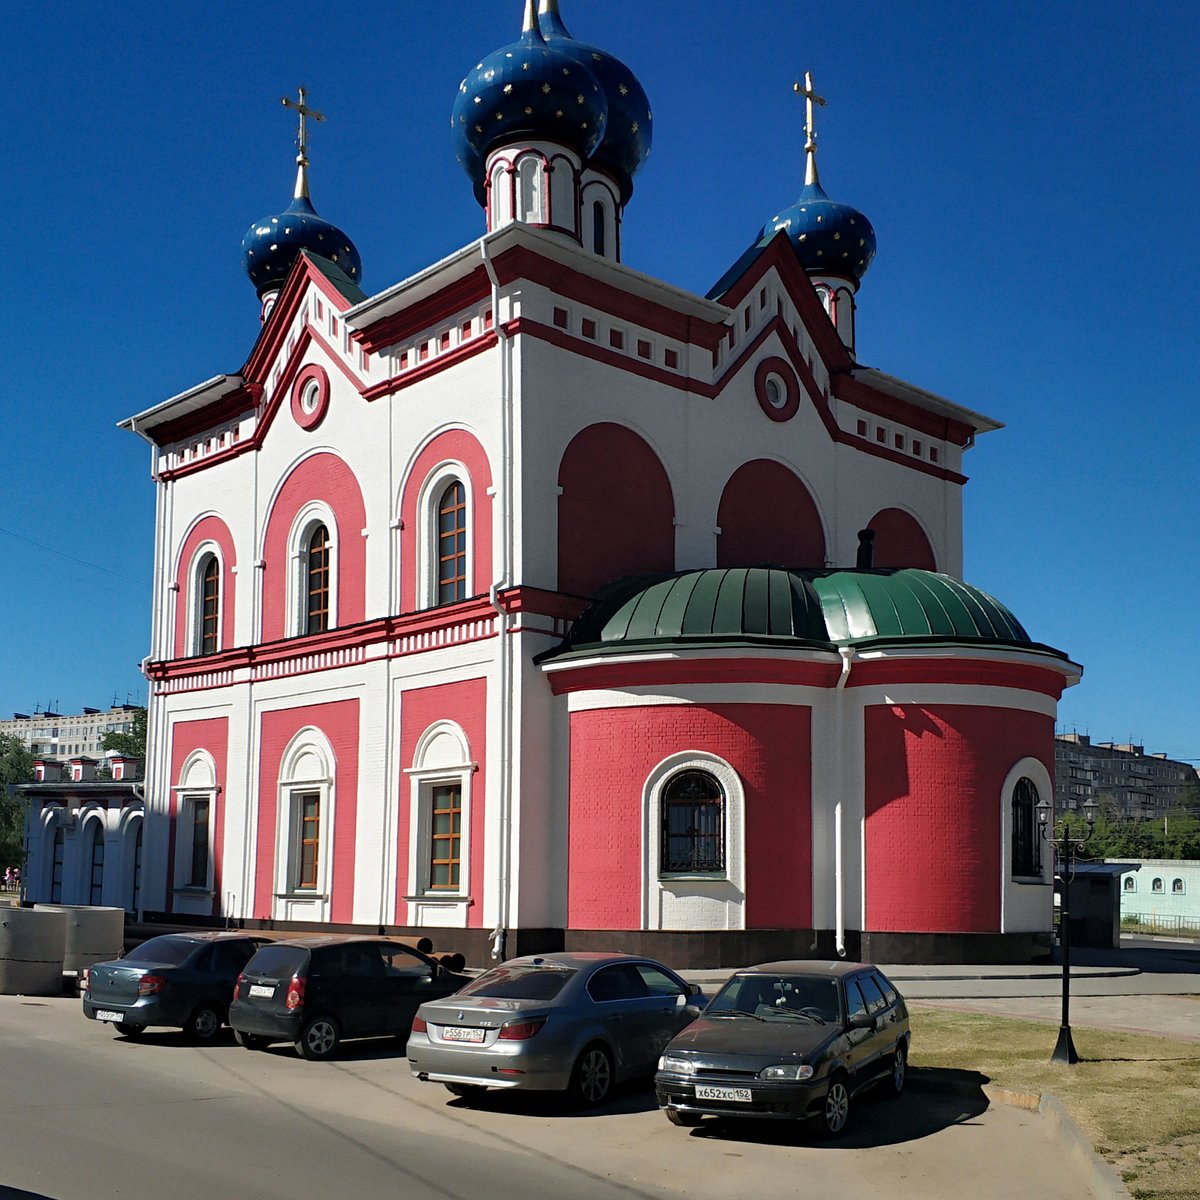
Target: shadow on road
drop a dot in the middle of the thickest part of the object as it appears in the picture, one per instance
(12, 1193)
(956, 1099)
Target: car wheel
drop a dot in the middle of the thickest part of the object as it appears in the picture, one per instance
(835, 1112)
(125, 1029)
(251, 1041)
(684, 1119)
(592, 1078)
(469, 1092)
(319, 1038)
(204, 1024)
(899, 1075)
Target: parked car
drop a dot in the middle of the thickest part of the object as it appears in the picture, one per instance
(788, 1040)
(317, 991)
(180, 980)
(562, 1022)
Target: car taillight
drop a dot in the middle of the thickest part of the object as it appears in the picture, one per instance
(520, 1031)
(86, 976)
(151, 985)
(295, 996)
(419, 1025)
(237, 987)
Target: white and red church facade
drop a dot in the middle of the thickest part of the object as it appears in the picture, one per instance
(524, 603)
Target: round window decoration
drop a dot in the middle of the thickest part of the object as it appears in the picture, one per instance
(310, 397)
(777, 389)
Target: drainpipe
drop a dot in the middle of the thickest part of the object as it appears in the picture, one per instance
(839, 865)
(505, 683)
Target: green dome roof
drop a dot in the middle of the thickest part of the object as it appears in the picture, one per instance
(815, 609)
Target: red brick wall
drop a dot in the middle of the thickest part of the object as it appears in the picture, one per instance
(933, 811)
(188, 736)
(613, 752)
(339, 723)
(466, 704)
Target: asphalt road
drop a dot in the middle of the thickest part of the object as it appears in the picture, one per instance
(84, 1114)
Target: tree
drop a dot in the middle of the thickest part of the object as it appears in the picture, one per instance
(133, 743)
(16, 766)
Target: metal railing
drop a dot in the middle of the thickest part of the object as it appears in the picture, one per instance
(1160, 923)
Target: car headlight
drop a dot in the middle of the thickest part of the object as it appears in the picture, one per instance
(680, 1066)
(787, 1071)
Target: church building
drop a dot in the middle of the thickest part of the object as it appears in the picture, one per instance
(534, 603)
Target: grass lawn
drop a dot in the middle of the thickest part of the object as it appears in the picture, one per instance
(1136, 1098)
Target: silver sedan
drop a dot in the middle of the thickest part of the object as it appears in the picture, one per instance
(555, 1022)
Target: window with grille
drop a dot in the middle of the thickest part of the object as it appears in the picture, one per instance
(1026, 845)
(693, 824)
(96, 879)
(310, 834)
(136, 898)
(198, 875)
(445, 841)
(56, 866)
(452, 544)
(210, 599)
(316, 563)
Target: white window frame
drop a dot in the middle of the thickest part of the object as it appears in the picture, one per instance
(197, 781)
(436, 483)
(195, 613)
(307, 766)
(729, 884)
(442, 758)
(315, 513)
(532, 181)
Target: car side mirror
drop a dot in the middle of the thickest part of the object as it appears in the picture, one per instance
(694, 989)
(863, 1021)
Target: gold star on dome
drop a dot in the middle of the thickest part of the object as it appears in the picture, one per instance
(634, 127)
(478, 128)
(579, 99)
(478, 99)
(528, 111)
(524, 66)
(559, 113)
(499, 116)
(837, 237)
(566, 70)
(597, 57)
(545, 89)
(623, 90)
(508, 89)
(584, 125)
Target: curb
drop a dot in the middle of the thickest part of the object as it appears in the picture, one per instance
(1101, 1180)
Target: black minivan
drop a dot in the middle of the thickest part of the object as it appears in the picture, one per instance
(315, 991)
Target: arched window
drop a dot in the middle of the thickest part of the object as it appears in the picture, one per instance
(135, 898)
(305, 865)
(1177, 887)
(440, 814)
(316, 575)
(452, 544)
(96, 877)
(1129, 884)
(599, 221)
(209, 598)
(58, 855)
(1156, 885)
(693, 825)
(1026, 847)
(529, 189)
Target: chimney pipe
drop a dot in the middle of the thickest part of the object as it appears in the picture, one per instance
(866, 549)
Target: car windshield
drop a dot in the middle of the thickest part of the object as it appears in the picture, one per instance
(277, 962)
(519, 983)
(787, 997)
(167, 950)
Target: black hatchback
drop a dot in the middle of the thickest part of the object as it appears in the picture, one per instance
(316, 991)
(181, 980)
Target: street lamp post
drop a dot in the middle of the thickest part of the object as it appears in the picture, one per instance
(1065, 849)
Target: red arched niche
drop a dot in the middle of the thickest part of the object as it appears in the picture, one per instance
(323, 477)
(767, 515)
(900, 541)
(209, 529)
(454, 445)
(616, 514)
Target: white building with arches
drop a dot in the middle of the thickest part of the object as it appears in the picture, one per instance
(532, 601)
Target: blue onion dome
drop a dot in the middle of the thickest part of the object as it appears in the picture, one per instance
(831, 238)
(526, 90)
(272, 245)
(630, 131)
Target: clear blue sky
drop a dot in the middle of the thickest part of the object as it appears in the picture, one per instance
(1030, 170)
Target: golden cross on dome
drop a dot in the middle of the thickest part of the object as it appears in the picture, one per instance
(302, 140)
(810, 129)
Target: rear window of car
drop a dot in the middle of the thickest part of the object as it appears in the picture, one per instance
(278, 961)
(167, 950)
(519, 983)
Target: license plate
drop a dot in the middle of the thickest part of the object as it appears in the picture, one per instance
(741, 1095)
(104, 1014)
(462, 1033)
(261, 989)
